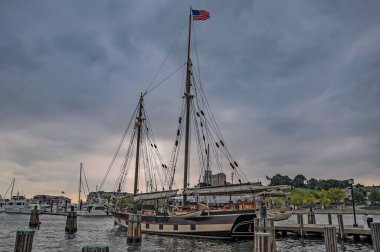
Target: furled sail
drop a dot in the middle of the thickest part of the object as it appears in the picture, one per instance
(232, 189)
(155, 195)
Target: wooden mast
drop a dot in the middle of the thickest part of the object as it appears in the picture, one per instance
(138, 125)
(188, 101)
(80, 185)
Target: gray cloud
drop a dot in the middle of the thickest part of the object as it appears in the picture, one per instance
(295, 86)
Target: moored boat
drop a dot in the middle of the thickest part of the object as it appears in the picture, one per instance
(90, 208)
(93, 210)
(226, 226)
(19, 204)
(278, 213)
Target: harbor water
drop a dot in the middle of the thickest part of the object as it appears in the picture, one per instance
(52, 237)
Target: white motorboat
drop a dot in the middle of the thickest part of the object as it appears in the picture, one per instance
(93, 210)
(18, 204)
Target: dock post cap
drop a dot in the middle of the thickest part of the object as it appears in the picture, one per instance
(25, 231)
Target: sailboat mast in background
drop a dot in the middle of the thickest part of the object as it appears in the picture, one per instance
(80, 185)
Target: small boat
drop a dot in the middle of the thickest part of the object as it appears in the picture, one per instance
(93, 210)
(278, 213)
(186, 213)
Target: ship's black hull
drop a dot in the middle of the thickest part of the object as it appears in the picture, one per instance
(221, 225)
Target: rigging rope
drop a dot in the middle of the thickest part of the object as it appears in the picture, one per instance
(167, 56)
(9, 187)
(118, 149)
(125, 166)
(206, 129)
(162, 81)
(203, 105)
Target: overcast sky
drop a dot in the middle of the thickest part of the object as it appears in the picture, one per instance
(294, 85)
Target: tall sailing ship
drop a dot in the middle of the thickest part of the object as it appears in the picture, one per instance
(162, 211)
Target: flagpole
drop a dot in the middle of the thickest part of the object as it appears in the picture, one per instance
(188, 100)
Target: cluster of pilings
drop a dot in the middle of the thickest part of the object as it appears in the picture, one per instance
(24, 238)
(264, 233)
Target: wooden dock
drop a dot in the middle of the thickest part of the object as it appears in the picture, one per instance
(330, 232)
(318, 229)
(302, 229)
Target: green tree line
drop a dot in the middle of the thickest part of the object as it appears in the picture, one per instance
(300, 196)
(322, 191)
(300, 181)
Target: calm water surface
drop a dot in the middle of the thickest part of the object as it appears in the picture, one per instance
(51, 237)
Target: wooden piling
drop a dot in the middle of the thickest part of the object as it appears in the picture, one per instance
(329, 218)
(375, 232)
(71, 222)
(24, 240)
(95, 248)
(330, 239)
(262, 242)
(311, 216)
(266, 225)
(300, 223)
(134, 228)
(341, 227)
(34, 221)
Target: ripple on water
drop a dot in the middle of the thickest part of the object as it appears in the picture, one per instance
(51, 237)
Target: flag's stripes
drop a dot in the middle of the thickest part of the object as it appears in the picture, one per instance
(200, 15)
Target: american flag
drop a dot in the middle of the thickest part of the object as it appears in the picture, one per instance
(200, 15)
(268, 178)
